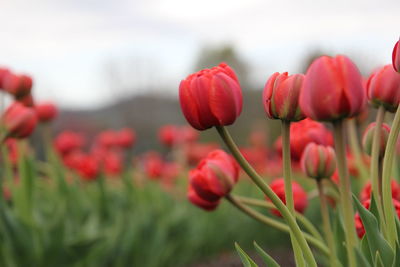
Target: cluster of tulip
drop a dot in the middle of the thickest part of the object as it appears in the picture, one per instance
(332, 91)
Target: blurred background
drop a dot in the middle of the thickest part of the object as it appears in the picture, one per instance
(125, 58)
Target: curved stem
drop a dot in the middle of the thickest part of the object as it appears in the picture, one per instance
(309, 257)
(300, 217)
(273, 223)
(376, 142)
(345, 192)
(386, 185)
(327, 225)
(287, 176)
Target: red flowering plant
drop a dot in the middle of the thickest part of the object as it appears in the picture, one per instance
(331, 91)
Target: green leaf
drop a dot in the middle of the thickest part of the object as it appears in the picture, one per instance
(373, 208)
(366, 250)
(340, 239)
(396, 261)
(375, 239)
(246, 260)
(268, 260)
(361, 259)
(378, 260)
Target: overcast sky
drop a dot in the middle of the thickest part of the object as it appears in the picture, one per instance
(68, 45)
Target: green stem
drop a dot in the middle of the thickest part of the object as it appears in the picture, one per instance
(300, 217)
(376, 143)
(345, 192)
(287, 176)
(386, 184)
(356, 149)
(327, 225)
(226, 137)
(275, 224)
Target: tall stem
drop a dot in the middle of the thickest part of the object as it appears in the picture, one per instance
(273, 223)
(327, 225)
(386, 184)
(226, 137)
(345, 192)
(287, 176)
(375, 181)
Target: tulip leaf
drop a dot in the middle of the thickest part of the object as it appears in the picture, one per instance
(339, 239)
(361, 259)
(246, 260)
(375, 239)
(373, 208)
(365, 249)
(268, 260)
(378, 260)
(396, 261)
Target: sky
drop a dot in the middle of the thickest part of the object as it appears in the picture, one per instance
(80, 51)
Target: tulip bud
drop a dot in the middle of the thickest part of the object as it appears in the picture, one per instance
(67, 142)
(383, 88)
(332, 89)
(19, 121)
(89, 168)
(368, 138)
(200, 202)
(396, 57)
(299, 195)
(281, 97)
(215, 176)
(211, 97)
(46, 111)
(318, 161)
(169, 135)
(17, 85)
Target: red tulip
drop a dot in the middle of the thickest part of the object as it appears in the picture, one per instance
(3, 72)
(19, 121)
(112, 163)
(368, 137)
(304, 132)
(318, 161)
(153, 165)
(383, 88)
(27, 100)
(299, 195)
(211, 97)
(68, 141)
(17, 85)
(46, 111)
(126, 138)
(215, 176)
(189, 135)
(89, 168)
(200, 202)
(195, 152)
(332, 89)
(281, 97)
(396, 57)
(169, 135)
(12, 149)
(107, 139)
(73, 159)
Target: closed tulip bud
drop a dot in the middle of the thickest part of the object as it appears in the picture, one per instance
(19, 121)
(46, 111)
(17, 85)
(89, 168)
(211, 97)
(299, 195)
(200, 202)
(332, 89)
(281, 97)
(318, 161)
(383, 88)
(396, 57)
(215, 176)
(368, 138)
